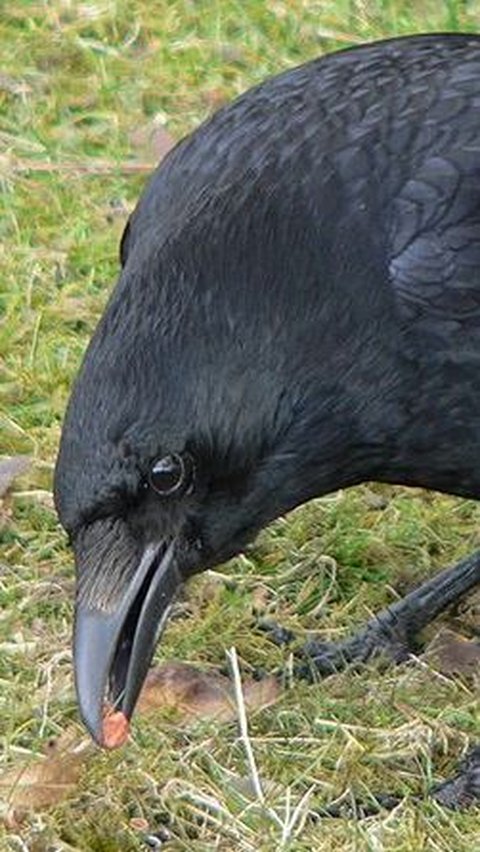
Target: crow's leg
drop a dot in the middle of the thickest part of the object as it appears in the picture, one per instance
(458, 793)
(393, 631)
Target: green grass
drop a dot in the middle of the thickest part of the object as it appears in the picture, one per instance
(80, 84)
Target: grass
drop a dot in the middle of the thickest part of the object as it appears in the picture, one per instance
(82, 85)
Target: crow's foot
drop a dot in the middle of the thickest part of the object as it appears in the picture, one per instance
(391, 633)
(458, 793)
(462, 791)
(381, 637)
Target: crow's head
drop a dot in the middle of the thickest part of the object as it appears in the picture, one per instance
(229, 380)
(184, 435)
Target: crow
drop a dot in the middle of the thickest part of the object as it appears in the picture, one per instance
(298, 311)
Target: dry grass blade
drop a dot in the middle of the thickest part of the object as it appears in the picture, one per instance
(243, 724)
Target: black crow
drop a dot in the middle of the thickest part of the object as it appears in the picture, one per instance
(298, 310)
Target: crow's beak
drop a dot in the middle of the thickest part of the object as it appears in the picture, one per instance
(113, 646)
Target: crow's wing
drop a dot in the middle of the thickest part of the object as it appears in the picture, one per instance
(435, 224)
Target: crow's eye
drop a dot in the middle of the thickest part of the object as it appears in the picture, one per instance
(171, 475)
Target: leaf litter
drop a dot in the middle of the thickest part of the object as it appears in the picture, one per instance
(193, 694)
